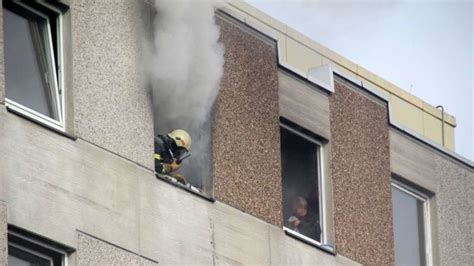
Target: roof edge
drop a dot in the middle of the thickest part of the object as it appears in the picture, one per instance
(277, 29)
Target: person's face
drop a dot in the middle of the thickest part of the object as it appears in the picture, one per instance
(301, 211)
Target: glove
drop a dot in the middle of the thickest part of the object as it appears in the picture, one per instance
(174, 166)
(180, 178)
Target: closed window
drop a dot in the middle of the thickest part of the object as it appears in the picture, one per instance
(25, 248)
(301, 183)
(33, 76)
(410, 226)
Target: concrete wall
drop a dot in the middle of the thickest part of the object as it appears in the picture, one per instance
(93, 251)
(2, 61)
(3, 234)
(360, 172)
(104, 71)
(55, 186)
(112, 105)
(304, 104)
(246, 145)
(412, 161)
(453, 202)
(101, 184)
(3, 206)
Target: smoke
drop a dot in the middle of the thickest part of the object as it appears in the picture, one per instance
(186, 69)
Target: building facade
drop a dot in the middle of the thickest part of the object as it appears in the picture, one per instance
(77, 178)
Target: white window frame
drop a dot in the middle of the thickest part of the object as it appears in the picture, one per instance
(58, 74)
(428, 252)
(322, 195)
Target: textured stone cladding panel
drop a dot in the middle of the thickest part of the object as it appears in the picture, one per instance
(2, 60)
(93, 251)
(455, 207)
(3, 234)
(246, 146)
(112, 104)
(360, 171)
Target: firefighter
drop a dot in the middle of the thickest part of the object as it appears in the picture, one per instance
(170, 151)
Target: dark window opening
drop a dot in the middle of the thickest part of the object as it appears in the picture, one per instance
(300, 156)
(25, 248)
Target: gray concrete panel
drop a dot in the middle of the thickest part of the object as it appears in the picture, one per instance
(55, 185)
(68, 73)
(2, 61)
(174, 225)
(93, 251)
(452, 205)
(304, 104)
(3, 234)
(112, 104)
(239, 236)
(412, 161)
(286, 250)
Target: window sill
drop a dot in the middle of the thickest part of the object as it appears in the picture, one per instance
(324, 247)
(187, 188)
(21, 114)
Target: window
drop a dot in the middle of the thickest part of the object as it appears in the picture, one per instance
(410, 226)
(33, 62)
(26, 249)
(301, 182)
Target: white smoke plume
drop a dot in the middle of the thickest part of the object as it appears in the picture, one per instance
(186, 69)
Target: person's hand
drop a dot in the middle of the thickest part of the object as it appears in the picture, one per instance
(180, 178)
(296, 222)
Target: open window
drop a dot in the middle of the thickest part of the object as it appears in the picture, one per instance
(33, 60)
(411, 225)
(301, 182)
(25, 248)
(195, 172)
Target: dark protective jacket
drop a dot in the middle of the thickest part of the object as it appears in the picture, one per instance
(310, 226)
(164, 157)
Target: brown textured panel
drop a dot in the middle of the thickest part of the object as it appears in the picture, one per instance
(360, 170)
(246, 145)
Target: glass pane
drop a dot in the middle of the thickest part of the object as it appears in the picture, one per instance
(408, 227)
(18, 257)
(299, 158)
(27, 62)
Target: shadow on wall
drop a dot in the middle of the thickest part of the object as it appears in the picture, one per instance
(185, 66)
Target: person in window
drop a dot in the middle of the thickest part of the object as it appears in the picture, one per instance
(303, 220)
(170, 151)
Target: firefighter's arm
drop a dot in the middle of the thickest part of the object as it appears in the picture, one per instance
(166, 168)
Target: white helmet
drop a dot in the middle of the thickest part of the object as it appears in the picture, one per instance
(181, 138)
